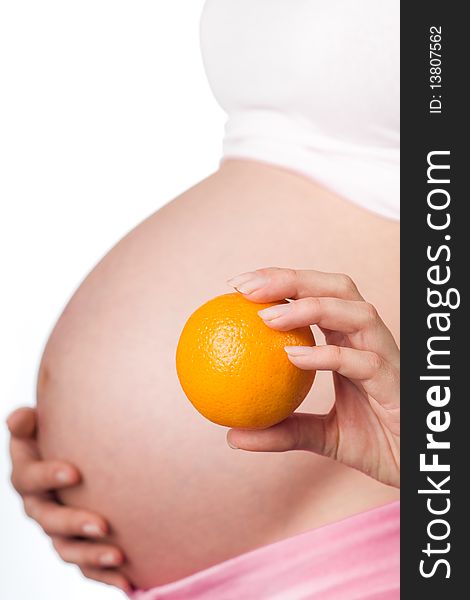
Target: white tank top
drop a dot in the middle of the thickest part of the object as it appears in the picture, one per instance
(312, 86)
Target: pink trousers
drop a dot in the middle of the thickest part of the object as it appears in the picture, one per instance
(353, 559)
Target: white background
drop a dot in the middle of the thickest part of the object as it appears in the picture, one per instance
(105, 115)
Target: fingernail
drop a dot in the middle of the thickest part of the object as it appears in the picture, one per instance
(273, 312)
(109, 559)
(231, 444)
(63, 476)
(246, 283)
(297, 350)
(92, 530)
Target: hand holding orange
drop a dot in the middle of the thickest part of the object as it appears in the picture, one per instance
(234, 369)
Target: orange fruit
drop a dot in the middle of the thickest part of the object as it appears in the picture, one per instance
(233, 368)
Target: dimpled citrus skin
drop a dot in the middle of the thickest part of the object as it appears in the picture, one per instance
(234, 369)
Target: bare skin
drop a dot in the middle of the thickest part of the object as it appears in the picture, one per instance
(362, 429)
(177, 498)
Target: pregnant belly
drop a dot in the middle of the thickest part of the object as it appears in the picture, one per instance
(178, 499)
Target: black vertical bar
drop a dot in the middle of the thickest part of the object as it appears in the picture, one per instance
(422, 132)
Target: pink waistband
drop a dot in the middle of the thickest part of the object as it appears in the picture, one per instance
(353, 559)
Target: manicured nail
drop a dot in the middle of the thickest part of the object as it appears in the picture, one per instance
(273, 312)
(92, 530)
(246, 283)
(231, 444)
(297, 350)
(109, 559)
(63, 476)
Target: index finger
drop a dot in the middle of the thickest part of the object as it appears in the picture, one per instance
(31, 475)
(271, 284)
(22, 422)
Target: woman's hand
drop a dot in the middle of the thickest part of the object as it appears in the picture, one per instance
(76, 534)
(363, 428)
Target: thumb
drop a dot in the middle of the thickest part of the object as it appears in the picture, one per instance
(300, 431)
